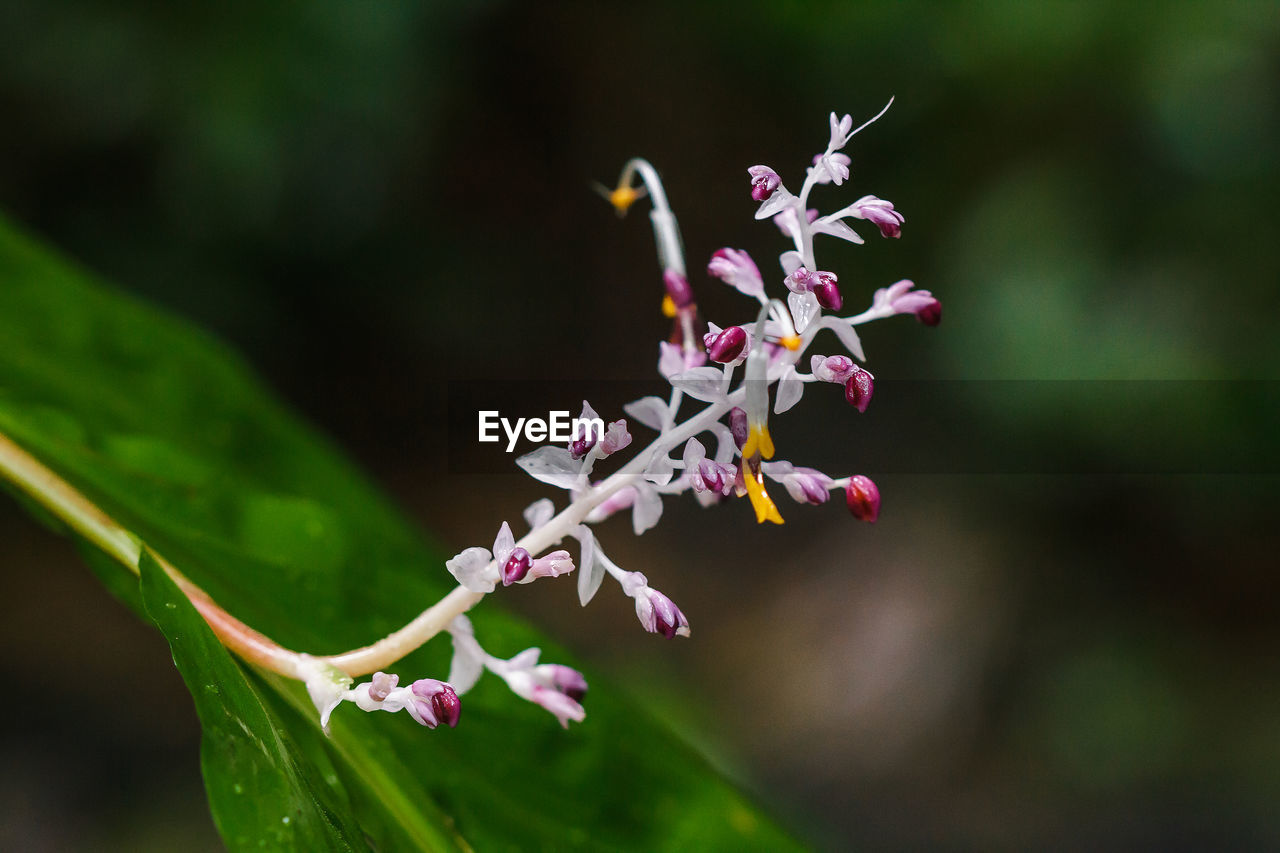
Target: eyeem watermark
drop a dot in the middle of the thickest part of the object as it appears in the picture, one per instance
(559, 427)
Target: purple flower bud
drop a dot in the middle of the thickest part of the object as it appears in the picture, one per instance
(727, 345)
(880, 213)
(823, 285)
(930, 314)
(832, 368)
(808, 485)
(863, 498)
(763, 182)
(738, 426)
(799, 280)
(564, 679)
(434, 702)
(667, 618)
(517, 566)
(858, 388)
(677, 288)
(711, 476)
(580, 447)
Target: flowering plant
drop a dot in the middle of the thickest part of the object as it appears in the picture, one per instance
(741, 374)
(699, 362)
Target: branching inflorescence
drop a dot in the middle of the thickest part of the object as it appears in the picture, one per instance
(699, 362)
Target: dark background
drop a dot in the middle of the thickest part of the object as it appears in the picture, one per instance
(1066, 640)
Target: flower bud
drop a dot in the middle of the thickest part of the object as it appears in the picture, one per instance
(738, 426)
(727, 345)
(517, 566)
(677, 288)
(667, 619)
(808, 486)
(434, 702)
(823, 285)
(858, 388)
(763, 182)
(879, 213)
(863, 498)
(930, 314)
(564, 679)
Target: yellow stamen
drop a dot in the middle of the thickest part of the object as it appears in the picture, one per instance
(668, 306)
(758, 441)
(791, 342)
(622, 198)
(764, 506)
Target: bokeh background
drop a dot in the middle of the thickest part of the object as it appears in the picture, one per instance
(1063, 631)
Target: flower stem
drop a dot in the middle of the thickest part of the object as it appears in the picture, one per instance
(79, 513)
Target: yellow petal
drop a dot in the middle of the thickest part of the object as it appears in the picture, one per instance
(668, 306)
(758, 441)
(764, 506)
(622, 198)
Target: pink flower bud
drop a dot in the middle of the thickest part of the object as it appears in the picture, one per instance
(434, 702)
(677, 288)
(738, 426)
(667, 619)
(564, 679)
(930, 314)
(517, 566)
(727, 345)
(863, 498)
(858, 388)
(880, 213)
(823, 285)
(763, 182)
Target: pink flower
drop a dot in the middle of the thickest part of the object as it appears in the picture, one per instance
(900, 298)
(704, 474)
(480, 570)
(831, 368)
(657, 613)
(763, 182)
(554, 687)
(880, 213)
(735, 268)
(831, 168)
(805, 485)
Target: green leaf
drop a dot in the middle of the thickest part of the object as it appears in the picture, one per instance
(175, 439)
(282, 800)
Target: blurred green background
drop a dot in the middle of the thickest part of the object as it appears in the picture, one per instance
(372, 200)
